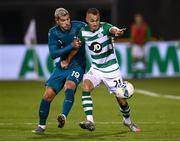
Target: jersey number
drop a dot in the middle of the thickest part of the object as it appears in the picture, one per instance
(117, 83)
(75, 74)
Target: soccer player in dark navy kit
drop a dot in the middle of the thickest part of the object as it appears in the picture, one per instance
(62, 45)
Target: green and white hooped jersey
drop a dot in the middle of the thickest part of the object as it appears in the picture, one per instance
(100, 47)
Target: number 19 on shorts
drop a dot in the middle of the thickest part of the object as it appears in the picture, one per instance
(75, 74)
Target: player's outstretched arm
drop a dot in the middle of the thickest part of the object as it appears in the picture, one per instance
(116, 31)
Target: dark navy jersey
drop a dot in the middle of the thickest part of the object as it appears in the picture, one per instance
(59, 43)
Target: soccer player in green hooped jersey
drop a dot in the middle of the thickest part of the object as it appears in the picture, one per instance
(104, 68)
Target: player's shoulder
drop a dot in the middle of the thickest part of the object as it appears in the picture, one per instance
(85, 28)
(78, 23)
(105, 24)
(53, 29)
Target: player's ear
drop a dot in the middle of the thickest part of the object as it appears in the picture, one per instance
(56, 20)
(86, 18)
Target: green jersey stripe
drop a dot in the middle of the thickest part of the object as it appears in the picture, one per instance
(88, 34)
(86, 99)
(88, 112)
(105, 54)
(106, 43)
(92, 38)
(109, 63)
(108, 71)
(87, 105)
(104, 60)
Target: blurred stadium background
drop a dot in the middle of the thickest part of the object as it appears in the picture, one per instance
(23, 71)
(15, 16)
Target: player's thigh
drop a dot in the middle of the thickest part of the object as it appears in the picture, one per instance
(57, 80)
(112, 83)
(93, 77)
(74, 77)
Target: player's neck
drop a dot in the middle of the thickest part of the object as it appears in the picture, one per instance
(94, 30)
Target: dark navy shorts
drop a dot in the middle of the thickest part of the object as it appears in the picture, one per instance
(60, 76)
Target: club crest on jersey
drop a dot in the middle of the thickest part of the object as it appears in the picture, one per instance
(95, 47)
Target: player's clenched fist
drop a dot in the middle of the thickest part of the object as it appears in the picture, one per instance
(76, 43)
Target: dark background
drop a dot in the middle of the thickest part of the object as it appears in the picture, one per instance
(163, 16)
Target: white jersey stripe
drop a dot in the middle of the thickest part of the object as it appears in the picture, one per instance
(88, 108)
(83, 97)
(87, 102)
(104, 60)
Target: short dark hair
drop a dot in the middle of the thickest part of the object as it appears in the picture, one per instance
(93, 11)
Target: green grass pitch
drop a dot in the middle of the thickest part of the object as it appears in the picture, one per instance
(158, 117)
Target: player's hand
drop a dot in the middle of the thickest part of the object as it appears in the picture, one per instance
(119, 32)
(64, 64)
(76, 43)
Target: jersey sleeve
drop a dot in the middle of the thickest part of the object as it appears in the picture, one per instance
(82, 24)
(80, 36)
(54, 47)
(79, 25)
(107, 28)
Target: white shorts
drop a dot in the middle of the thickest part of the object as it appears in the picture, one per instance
(138, 51)
(96, 77)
